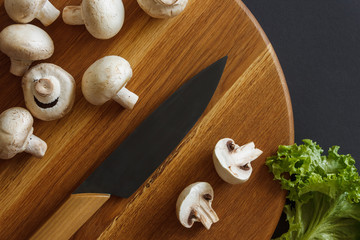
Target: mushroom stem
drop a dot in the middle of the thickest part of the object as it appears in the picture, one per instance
(126, 98)
(246, 154)
(48, 14)
(19, 67)
(36, 147)
(206, 215)
(44, 87)
(72, 15)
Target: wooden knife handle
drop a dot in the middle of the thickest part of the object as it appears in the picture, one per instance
(70, 216)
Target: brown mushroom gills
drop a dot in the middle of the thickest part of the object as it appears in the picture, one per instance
(207, 197)
(231, 146)
(46, 105)
(245, 167)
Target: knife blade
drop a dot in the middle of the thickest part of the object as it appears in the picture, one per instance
(128, 167)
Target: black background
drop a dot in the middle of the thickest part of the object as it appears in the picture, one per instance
(318, 45)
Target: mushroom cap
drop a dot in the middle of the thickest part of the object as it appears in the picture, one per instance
(103, 18)
(26, 42)
(189, 198)
(228, 162)
(61, 100)
(105, 78)
(15, 130)
(163, 9)
(23, 11)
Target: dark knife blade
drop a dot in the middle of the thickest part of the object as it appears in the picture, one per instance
(126, 169)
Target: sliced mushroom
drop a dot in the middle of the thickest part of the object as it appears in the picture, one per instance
(103, 19)
(163, 8)
(49, 91)
(232, 162)
(25, 43)
(106, 79)
(194, 205)
(16, 134)
(24, 11)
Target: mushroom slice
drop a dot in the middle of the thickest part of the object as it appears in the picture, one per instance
(24, 11)
(106, 79)
(232, 162)
(194, 205)
(25, 43)
(103, 19)
(163, 8)
(16, 134)
(49, 91)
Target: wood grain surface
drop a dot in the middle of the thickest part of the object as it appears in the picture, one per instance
(251, 104)
(70, 216)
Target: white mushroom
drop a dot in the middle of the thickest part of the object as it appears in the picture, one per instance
(106, 79)
(163, 8)
(232, 162)
(16, 134)
(24, 11)
(103, 19)
(49, 91)
(25, 43)
(194, 205)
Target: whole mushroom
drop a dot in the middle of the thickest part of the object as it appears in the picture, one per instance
(103, 19)
(25, 43)
(49, 91)
(232, 162)
(194, 205)
(16, 134)
(163, 8)
(106, 79)
(24, 11)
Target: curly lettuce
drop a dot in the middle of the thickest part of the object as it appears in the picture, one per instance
(324, 192)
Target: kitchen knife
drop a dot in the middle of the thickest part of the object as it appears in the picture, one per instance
(128, 167)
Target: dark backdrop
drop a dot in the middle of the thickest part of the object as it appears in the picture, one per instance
(318, 45)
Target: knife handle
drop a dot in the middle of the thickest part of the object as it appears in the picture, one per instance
(70, 216)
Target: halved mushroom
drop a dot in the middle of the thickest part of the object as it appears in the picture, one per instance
(49, 91)
(24, 11)
(106, 79)
(194, 205)
(25, 43)
(16, 134)
(103, 19)
(163, 8)
(232, 162)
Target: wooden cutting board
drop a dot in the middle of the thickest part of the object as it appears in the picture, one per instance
(251, 103)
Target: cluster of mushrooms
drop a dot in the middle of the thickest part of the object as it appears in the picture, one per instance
(49, 91)
(233, 164)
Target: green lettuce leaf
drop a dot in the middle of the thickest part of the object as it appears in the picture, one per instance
(324, 192)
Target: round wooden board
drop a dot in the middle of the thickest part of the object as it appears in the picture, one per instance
(251, 103)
